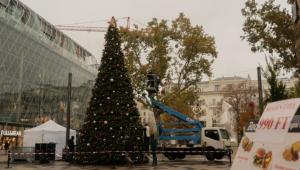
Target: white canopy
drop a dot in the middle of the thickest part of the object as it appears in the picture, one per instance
(49, 132)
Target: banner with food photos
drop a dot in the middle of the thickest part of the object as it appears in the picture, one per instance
(275, 143)
(243, 156)
(289, 152)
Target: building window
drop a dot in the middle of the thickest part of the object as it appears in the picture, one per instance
(3, 3)
(230, 86)
(203, 123)
(295, 9)
(217, 87)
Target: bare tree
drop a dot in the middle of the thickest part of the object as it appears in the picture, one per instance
(239, 96)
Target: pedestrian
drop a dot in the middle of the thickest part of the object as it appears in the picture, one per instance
(8, 159)
(6, 145)
(147, 137)
(128, 146)
(71, 146)
(146, 142)
(153, 143)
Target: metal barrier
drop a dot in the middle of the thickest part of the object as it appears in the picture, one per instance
(22, 153)
(123, 152)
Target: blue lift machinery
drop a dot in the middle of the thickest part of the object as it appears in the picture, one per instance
(185, 135)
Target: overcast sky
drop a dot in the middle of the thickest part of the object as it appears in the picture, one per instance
(220, 18)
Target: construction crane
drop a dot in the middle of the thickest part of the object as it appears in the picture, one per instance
(73, 27)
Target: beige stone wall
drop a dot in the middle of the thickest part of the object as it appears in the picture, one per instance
(298, 35)
(298, 5)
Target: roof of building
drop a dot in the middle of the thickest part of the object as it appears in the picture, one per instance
(230, 78)
(41, 26)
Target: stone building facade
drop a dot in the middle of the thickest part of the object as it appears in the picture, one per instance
(296, 16)
(213, 95)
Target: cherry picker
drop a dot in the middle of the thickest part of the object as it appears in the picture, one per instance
(188, 136)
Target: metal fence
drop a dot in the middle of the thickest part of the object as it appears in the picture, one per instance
(22, 153)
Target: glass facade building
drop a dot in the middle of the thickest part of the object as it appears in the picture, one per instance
(35, 60)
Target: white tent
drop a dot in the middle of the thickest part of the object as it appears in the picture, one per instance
(47, 133)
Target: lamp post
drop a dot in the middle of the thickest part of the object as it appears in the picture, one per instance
(69, 107)
(296, 19)
(260, 94)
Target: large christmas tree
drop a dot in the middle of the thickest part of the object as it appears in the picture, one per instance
(112, 116)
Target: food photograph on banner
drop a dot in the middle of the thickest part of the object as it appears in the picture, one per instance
(243, 155)
(262, 156)
(289, 151)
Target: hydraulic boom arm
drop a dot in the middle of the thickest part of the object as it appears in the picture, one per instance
(192, 130)
(191, 133)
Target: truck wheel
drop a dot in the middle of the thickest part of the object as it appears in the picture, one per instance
(210, 154)
(180, 156)
(170, 156)
(219, 156)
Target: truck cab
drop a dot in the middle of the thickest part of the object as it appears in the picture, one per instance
(215, 139)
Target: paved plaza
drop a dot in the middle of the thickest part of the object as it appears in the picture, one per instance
(189, 163)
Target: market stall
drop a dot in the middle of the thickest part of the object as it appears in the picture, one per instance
(49, 132)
